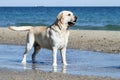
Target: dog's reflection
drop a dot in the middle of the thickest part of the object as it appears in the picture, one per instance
(24, 66)
(53, 68)
(63, 69)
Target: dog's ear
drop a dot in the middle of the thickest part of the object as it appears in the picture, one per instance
(60, 15)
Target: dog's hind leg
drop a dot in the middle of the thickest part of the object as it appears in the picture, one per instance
(36, 50)
(29, 44)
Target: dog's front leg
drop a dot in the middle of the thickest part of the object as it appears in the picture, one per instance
(63, 54)
(54, 56)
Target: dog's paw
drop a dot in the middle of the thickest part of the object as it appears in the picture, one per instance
(54, 65)
(23, 62)
(34, 62)
(65, 64)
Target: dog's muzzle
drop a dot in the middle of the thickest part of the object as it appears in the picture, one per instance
(71, 23)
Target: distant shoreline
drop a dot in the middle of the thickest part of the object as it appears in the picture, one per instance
(63, 6)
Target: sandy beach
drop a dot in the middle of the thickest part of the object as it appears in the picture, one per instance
(90, 40)
(95, 40)
(102, 41)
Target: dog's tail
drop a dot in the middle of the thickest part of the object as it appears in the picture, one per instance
(22, 28)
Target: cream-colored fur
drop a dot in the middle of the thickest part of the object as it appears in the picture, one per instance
(54, 37)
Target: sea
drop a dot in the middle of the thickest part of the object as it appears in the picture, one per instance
(89, 18)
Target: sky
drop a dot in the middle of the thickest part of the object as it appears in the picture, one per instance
(59, 2)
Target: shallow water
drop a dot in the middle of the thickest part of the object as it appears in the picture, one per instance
(80, 62)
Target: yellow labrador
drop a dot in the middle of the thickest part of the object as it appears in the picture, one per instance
(54, 37)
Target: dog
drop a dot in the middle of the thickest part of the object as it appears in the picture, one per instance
(54, 37)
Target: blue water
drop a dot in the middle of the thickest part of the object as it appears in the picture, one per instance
(80, 62)
(95, 18)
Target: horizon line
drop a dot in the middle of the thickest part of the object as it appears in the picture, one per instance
(64, 6)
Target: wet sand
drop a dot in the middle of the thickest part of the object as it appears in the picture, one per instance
(6, 74)
(104, 41)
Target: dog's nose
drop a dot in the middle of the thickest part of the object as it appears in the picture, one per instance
(75, 18)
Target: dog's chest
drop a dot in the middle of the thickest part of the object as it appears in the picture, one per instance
(59, 40)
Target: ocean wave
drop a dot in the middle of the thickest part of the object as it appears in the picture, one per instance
(105, 27)
(115, 27)
(112, 27)
(30, 24)
(87, 27)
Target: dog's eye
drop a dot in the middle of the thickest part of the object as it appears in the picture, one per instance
(69, 14)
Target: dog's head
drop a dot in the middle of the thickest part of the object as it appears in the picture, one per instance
(67, 18)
